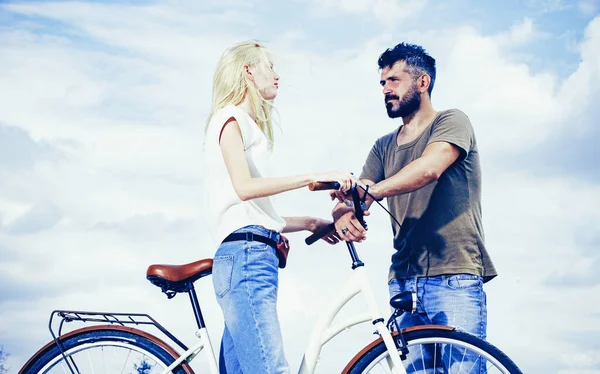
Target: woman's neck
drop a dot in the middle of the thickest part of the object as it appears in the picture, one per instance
(246, 107)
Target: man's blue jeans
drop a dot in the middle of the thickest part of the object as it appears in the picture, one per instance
(245, 279)
(453, 300)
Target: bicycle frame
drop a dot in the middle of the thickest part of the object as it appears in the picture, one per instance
(323, 331)
(191, 353)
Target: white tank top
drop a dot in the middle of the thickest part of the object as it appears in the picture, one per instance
(225, 211)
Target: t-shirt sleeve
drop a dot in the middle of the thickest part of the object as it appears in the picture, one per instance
(242, 123)
(455, 128)
(373, 167)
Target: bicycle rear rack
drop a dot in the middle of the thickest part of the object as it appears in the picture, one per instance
(121, 319)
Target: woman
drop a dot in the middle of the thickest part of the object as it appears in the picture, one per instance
(239, 138)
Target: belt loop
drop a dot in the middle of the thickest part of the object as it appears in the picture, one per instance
(249, 236)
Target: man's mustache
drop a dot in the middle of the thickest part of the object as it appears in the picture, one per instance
(391, 97)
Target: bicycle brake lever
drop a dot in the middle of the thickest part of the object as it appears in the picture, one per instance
(358, 207)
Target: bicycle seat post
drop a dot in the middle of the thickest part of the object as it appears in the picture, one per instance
(195, 305)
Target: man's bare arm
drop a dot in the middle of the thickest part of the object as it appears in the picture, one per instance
(436, 158)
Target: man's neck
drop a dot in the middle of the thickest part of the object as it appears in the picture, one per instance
(415, 124)
(420, 119)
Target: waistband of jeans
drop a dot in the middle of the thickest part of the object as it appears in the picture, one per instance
(260, 230)
(439, 278)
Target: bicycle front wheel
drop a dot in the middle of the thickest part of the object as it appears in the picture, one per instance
(105, 349)
(435, 351)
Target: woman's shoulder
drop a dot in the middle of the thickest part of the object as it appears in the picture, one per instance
(227, 109)
(220, 116)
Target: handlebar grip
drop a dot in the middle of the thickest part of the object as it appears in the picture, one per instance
(320, 186)
(319, 234)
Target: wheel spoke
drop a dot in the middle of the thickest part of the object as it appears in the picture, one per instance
(465, 355)
(90, 361)
(125, 363)
(103, 361)
(462, 360)
(104, 357)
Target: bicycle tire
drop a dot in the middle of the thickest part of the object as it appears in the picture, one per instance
(112, 339)
(375, 353)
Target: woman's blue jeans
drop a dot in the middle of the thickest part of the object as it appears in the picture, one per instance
(245, 279)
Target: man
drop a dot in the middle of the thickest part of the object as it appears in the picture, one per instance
(428, 169)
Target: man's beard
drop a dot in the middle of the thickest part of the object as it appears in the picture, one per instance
(410, 104)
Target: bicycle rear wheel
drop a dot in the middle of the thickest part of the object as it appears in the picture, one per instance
(436, 350)
(105, 349)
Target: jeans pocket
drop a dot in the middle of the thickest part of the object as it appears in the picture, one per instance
(257, 247)
(222, 273)
(464, 281)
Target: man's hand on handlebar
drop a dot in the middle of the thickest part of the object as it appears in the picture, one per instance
(339, 195)
(347, 225)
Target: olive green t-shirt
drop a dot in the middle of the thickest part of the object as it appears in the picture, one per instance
(441, 228)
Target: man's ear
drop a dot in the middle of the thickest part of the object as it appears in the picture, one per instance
(424, 82)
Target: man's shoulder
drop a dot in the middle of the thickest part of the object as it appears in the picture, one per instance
(453, 113)
(453, 119)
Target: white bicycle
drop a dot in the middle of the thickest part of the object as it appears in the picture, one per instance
(114, 345)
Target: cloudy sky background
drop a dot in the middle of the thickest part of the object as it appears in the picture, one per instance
(102, 111)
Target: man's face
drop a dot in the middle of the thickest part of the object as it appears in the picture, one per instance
(402, 98)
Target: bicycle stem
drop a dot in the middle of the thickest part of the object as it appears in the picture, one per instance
(356, 262)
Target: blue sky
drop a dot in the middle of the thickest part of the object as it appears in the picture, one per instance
(101, 127)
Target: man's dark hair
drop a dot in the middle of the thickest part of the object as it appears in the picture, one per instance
(416, 59)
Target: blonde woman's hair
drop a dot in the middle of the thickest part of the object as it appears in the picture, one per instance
(231, 85)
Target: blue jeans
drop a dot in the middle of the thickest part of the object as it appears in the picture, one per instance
(245, 279)
(453, 300)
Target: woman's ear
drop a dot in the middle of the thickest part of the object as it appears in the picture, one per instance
(248, 71)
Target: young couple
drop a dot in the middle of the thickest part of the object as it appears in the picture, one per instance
(428, 169)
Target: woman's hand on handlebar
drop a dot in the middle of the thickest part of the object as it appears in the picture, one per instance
(346, 180)
(344, 195)
(331, 237)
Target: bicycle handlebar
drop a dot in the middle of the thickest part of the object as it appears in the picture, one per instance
(320, 186)
(319, 234)
(358, 209)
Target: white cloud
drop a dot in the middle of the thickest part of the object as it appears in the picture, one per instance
(588, 7)
(519, 34)
(389, 12)
(42, 216)
(127, 118)
(549, 5)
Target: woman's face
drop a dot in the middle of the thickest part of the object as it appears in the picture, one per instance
(265, 79)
